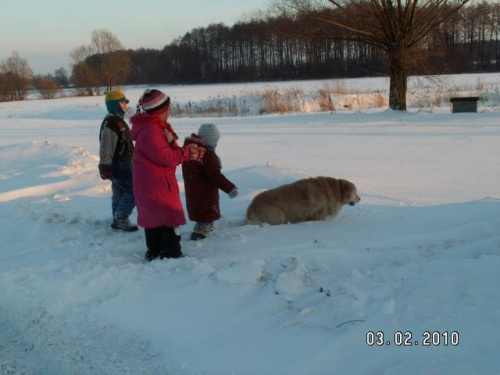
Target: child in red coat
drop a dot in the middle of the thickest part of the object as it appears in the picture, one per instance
(202, 182)
(156, 157)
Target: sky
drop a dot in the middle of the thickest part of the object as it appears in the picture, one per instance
(45, 32)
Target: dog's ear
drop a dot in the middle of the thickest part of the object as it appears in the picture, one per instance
(345, 188)
(341, 187)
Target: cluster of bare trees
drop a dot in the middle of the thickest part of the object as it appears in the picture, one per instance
(15, 78)
(270, 49)
(299, 39)
(473, 35)
(102, 63)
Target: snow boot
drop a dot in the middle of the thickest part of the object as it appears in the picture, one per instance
(122, 222)
(201, 230)
(195, 236)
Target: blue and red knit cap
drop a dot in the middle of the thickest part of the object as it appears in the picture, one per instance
(154, 102)
(113, 100)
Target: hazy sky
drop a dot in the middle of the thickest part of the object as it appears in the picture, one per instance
(44, 32)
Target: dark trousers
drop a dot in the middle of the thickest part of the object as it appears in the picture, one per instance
(163, 242)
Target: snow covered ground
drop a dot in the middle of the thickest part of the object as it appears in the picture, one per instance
(419, 256)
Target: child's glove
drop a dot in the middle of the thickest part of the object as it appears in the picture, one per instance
(197, 153)
(105, 171)
(233, 193)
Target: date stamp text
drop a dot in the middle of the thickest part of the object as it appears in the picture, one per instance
(408, 338)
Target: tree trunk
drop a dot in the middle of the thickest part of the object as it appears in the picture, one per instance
(398, 76)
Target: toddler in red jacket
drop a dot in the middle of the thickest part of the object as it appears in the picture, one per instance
(202, 182)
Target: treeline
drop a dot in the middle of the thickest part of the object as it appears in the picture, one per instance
(284, 48)
(252, 51)
(288, 46)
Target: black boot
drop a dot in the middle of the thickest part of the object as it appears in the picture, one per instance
(171, 254)
(162, 242)
(151, 255)
(171, 244)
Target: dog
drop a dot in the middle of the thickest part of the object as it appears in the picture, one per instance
(310, 199)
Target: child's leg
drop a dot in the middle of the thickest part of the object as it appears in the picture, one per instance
(123, 195)
(115, 197)
(170, 243)
(153, 242)
(162, 242)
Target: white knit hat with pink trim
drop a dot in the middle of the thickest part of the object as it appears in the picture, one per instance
(153, 101)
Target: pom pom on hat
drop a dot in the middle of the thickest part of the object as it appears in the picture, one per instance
(117, 95)
(210, 133)
(153, 101)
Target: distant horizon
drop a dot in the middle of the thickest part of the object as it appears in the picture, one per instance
(47, 40)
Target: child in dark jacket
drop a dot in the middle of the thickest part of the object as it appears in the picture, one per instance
(202, 182)
(115, 159)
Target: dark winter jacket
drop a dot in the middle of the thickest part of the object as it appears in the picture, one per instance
(156, 157)
(202, 182)
(115, 141)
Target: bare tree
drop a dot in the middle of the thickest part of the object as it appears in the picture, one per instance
(104, 62)
(61, 76)
(397, 27)
(16, 76)
(83, 75)
(113, 62)
(47, 86)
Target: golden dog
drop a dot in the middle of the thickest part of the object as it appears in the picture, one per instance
(309, 199)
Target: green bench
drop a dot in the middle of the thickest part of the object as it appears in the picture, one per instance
(464, 104)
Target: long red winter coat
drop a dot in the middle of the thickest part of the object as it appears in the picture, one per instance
(202, 182)
(156, 156)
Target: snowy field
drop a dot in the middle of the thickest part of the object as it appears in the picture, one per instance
(418, 260)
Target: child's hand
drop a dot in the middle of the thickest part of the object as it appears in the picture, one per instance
(233, 193)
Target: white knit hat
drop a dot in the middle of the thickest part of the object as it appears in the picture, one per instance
(209, 133)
